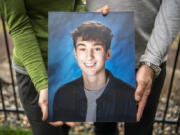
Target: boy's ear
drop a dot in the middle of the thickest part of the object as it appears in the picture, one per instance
(108, 54)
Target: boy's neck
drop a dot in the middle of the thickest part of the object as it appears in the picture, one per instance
(95, 82)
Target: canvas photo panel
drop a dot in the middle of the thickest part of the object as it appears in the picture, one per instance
(91, 67)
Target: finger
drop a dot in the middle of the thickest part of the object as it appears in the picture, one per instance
(105, 10)
(106, 7)
(71, 124)
(56, 124)
(142, 104)
(44, 110)
(141, 85)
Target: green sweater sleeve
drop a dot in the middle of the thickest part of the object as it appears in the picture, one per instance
(25, 41)
(27, 47)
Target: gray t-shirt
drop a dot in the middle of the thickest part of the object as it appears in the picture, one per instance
(92, 96)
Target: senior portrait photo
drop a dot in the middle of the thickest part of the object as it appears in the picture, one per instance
(91, 67)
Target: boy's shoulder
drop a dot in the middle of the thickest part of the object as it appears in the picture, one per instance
(69, 87)
(117, 83)
(120, 83)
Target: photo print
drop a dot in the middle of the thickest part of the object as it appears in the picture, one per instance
(91, 67)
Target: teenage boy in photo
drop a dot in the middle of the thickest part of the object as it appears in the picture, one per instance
(97, 95)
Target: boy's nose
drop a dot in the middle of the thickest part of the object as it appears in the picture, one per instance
(90, 54)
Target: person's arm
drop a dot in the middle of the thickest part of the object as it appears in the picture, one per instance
(25, 41)
(166, 27)
(26, 47)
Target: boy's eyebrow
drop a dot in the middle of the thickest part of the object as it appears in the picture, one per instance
(98, 44)
(80, 44)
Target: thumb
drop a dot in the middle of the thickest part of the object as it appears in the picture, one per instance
(139, 90)
(71, 124)
(56, 123)
(44, 110)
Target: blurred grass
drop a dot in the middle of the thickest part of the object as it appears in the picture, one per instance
(81, 134)
(14, 131)
(4, 130)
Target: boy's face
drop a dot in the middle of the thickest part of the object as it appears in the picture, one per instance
(91, 56)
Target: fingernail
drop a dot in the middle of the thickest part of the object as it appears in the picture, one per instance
(138, 98)
(105, 12)
(138, 119)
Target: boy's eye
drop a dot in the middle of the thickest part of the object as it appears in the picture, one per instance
(98, 49)
(82, 49)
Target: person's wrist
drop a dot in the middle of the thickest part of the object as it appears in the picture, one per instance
(156, 69)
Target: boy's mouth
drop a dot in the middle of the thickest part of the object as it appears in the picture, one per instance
(90, 65)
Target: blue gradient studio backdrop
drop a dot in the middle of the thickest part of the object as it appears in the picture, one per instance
(62, 66)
